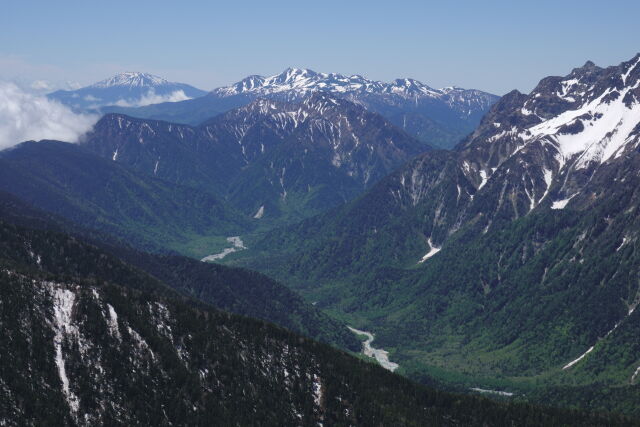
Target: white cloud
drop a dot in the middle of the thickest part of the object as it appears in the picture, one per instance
(41, 85)
(25, 116)
(72, 85)
(152, 98)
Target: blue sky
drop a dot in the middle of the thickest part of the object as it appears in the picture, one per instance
(491, 45)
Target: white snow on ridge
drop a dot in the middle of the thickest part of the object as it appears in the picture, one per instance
(631, 68)
(131, 79)
(304, 81)
(606, 128)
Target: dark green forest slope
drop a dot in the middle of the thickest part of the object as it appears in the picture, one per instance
(80, 349)
(230, 289)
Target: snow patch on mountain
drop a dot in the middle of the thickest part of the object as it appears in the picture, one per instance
(484, 178)
(112, 322)
(560, 204)
(317, 390)
(432, 251)
(63, 301)
(606, 126)
(259, 213)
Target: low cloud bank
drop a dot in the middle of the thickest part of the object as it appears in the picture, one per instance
(24, 116)
(152, 98)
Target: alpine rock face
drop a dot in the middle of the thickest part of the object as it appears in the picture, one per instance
(548, 147)
(439, 117)
(128, 89)
(269, 156)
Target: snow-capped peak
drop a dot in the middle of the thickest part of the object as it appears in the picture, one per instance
(302, 81)
(602, 113)
(582, 120)
(131, 79)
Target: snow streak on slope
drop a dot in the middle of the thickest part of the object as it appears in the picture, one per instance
(432, 251)
(63, 301)
(573, 362)
(582, 356)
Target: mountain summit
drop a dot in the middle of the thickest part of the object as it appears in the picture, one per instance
(128, 89)
(132, 79)
(296, 82)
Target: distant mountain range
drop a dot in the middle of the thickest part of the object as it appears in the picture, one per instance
(439, 117)
(130, 89)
